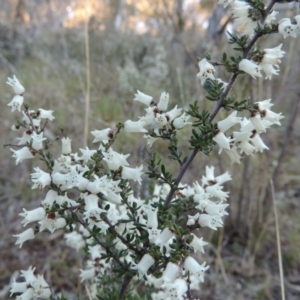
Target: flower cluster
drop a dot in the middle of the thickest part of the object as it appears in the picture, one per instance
(32, 286)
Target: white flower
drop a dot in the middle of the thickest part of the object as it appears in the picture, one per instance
(138, 126)
(226, 2)
(197, 243)
(216, 190)
(241, 136)
(174, 113)
(265, 104)
(87, 274)
(243, 17)
(164, 237)
(286, 28)
(16, 85)
(26, 137)
(86, 153)
(45, 114)
(233, 155)
(191, 265)
(161, 120)
(176, 290)
(270, 70)
(272, 56)
(16, 103)
(272, 117)
(171, 272)
(152, 217)
(40, 178)
(228, 122)
(181, 121)
(102, 135)
(150, 139)
(41, 288)
(162, 105)
(22, 154)
(28, 275)
(114, 159)
(18, 287)
(143, 98)
(250, 67)
(66, 146)
(258, 142)
(74, 240)
(27, 295)
(223, 178)
(32, 215)
(143, 266)
(26, 235)
(246, 147)
(207, 70)
(210, 221)
(257, 123)
(52, 222)
(37, 140)
(132, 173)
(223, 141)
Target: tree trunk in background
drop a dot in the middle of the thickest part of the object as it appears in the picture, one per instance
(119, 15)
(17, 26)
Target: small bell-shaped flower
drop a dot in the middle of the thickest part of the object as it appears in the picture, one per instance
(40, 179)
(138, 126)
(16, 85)
(210, 221)
(230, 121)
(181, 121)
(52, 222)
(16, 103)
(223, 141)
(286, 28)
(207, 71)
(197, 244)
(66, 146)
(144, 265)
(37, 140)
(32, 215)
(173, 114)
(45, 114)
(191, 265)
(102, 135)
(26, 235)
(132, 173)
(258, 142)
(246, 147)
(87, 274)
(171, 272)
(250, 67)
(143, 98)
(22, 154)
(162, 105)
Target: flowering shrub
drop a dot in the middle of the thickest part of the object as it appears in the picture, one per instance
(90, 195)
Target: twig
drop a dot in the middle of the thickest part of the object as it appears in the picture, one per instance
(278, 243)
(116, 258)
(125, 284)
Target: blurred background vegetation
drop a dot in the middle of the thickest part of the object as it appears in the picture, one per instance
(151, 46)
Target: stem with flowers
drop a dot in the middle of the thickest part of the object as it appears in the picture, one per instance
(151, 242)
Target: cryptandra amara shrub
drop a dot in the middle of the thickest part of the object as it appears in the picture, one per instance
(130, 240)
